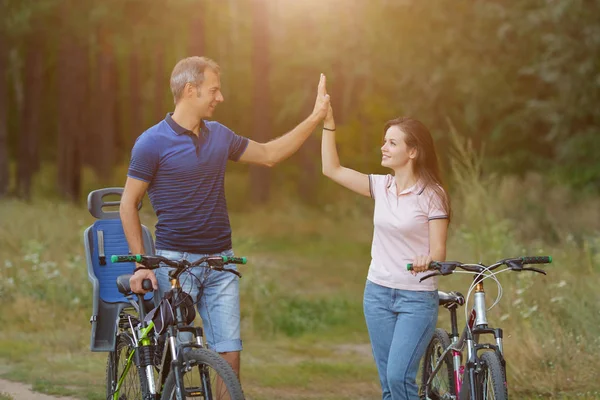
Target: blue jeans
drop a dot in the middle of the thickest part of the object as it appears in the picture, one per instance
(400, 324)
(217, 298)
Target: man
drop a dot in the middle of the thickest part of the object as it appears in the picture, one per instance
(181, 163)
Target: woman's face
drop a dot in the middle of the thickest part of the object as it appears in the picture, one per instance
(394, 152)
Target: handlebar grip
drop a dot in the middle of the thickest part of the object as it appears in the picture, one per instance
(537, 260)
(147, 284)
(409, 267)
(235, 260)
(128, 258)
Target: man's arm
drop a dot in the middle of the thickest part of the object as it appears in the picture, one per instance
(128, 210)
(130, 218)
(269, 154)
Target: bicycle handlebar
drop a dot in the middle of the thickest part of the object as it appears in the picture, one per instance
(153, 262)
(515, 264)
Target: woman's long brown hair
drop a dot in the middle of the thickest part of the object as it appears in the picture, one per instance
(426, 166)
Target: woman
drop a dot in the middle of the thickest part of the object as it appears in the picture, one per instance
(411, 222)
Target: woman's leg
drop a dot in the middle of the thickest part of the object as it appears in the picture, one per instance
(381, 322)
(416, 322)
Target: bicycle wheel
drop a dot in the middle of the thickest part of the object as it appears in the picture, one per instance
(491, 382)
(442, 385)
(205, 376)
(134, 384)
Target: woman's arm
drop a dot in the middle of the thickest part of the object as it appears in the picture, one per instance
(346, 177)
(438, 233)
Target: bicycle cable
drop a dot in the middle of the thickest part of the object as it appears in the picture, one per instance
(485, 274)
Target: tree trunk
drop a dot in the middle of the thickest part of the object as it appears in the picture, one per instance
(136, 117)
(160, 80)
(105, 124)
(196, 46)
(28, 153)
(337, 92)
(309, 153)
(72, 84)
(260, 177)
(4, 177)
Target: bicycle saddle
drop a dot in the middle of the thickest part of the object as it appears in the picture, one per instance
(123, 283)
(451, 298)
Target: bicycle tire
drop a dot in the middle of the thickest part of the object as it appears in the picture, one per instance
(135, 385)
(491, 383)
(206, 360)
(442, 386)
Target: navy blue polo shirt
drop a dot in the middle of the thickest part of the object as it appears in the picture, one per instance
(186, 176)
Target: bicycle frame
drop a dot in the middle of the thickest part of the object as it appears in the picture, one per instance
(143, 353)
(476, 326)
(144, 340)
(169, 359)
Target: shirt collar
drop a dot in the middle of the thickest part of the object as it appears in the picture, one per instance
(180, 130)
(417, 188)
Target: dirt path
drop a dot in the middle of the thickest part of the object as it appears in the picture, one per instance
(22, 391)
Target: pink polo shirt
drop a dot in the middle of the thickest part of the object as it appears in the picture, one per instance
(401, 232)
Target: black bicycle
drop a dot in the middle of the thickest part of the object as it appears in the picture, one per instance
(149, 362)
(483, 374)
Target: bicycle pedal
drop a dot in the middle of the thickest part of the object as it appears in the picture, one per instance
(194, 392)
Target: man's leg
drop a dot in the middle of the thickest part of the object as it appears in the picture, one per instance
(233, 358)
(219, 308)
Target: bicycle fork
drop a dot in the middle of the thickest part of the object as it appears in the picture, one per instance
(477, 325)
(145, 358)
(456, 352)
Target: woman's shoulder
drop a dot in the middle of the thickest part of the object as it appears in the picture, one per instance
(381, 180)
(434, 200)
(434, 190)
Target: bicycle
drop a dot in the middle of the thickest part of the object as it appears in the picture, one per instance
(482, 377)
(149, 362)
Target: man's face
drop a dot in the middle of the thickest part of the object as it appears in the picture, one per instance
(208, 95)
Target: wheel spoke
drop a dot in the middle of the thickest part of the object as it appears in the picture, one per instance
(442, 383)
(202, 377)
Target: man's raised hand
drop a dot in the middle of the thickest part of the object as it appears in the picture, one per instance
(322, 101)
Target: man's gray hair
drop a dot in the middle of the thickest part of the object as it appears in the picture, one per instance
(190, 70)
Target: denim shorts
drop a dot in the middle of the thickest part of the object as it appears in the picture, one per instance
(217, 298)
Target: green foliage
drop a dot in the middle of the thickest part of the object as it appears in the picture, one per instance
(275, 312)
(301, 293)
(520, 77)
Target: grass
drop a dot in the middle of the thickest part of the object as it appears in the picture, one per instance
(302, 323)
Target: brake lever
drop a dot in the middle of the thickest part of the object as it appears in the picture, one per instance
(233, 271)
(151, 262)
(429, 276)
(540, 271)
(515, 264)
